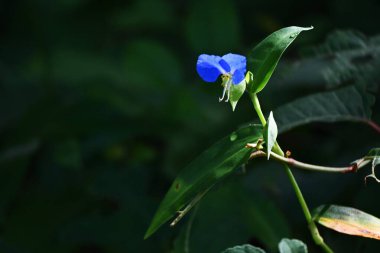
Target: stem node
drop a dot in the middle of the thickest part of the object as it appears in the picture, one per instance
(277, 150)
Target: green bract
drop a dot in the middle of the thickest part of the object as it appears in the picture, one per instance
(270, 134)
(237, 91)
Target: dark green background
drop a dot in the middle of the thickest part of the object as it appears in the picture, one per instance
(101, 106)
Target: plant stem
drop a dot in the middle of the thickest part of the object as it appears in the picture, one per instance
(306, 166)
(312, 226)
(256, 104)
(277, 149)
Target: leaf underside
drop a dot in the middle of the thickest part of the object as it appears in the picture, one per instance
(348, 220)
(244, 249)
(345, 104)
(292, 246)
(285, 246)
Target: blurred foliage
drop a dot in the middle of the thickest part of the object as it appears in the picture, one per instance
(100, 107)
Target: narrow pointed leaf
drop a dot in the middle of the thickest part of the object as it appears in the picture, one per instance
(348, 220)
(211, 166)
(292, 246)
(270, 134)
(263, 59)
(244, 249)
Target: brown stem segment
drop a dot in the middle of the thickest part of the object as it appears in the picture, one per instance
(306, 166)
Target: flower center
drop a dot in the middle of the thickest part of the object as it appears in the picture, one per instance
(226, 76)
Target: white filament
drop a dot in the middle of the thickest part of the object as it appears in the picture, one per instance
(227, 89)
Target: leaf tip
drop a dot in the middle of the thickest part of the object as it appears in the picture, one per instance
(305, 28)
(233, 105)
(309, 28)
(153, 227)
(148, 233)
(271, 115)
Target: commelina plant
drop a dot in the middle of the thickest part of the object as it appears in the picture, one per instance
(255, 141)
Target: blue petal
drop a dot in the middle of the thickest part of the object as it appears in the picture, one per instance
(225, 65)
(208, 67)
(236, 62)
(238, 76)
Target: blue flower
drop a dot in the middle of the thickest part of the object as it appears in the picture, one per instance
(232, 67)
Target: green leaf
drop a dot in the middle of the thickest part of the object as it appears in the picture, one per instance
(246, 248)
(236, 92)
(352, 58)
(199, 176)
(270, 134)
(345, 104)
(263, 59)
(292, 246)
(285, 246)
(348, 220)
